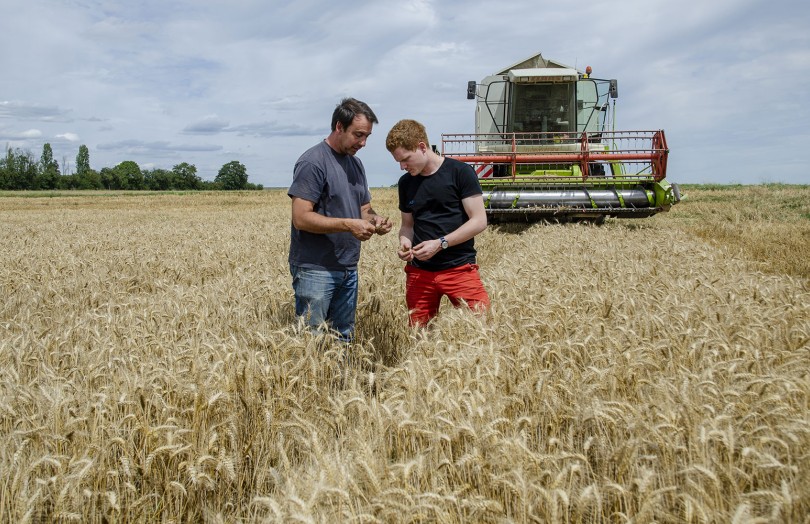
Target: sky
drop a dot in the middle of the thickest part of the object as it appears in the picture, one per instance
(207, 82)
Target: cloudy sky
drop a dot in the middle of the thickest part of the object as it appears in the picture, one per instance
(206, 82)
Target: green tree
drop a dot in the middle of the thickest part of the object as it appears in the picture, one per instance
(186, 176)
(82, 160)
(129, 175)
(108, 180)
(18, 170)
(5, 173)
(47, 155)
(68, 182)
(232, 175)
(88, 179)
(159, 180)
(48, 169)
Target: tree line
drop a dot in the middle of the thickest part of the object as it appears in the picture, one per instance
(19, 170)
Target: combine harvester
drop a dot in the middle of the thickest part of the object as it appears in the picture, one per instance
(545, 147)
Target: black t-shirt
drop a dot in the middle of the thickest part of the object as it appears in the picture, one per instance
(435, 203)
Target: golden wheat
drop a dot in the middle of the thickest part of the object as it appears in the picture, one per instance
(151, 369)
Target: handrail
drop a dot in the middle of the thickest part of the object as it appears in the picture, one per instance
(648, 148)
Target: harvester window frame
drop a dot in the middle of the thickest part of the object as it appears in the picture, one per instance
(585, 103)
(600, 107)
(503, 105)
(547, 110)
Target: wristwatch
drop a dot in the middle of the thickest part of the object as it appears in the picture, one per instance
(444, 243)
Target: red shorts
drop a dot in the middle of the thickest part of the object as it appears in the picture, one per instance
(424, 290)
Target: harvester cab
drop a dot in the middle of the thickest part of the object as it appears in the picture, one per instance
(545, 147)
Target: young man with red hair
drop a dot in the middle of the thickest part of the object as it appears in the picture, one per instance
(442, 209)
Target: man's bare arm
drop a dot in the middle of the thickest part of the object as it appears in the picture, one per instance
(305, 218)
(405, 251)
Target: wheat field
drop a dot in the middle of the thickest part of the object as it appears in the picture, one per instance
(151, 369)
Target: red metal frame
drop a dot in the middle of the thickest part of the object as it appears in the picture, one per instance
(645, 147)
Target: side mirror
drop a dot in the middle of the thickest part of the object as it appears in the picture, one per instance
(614, 89)
(471, 90)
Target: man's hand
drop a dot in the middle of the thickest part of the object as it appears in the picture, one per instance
(361, 229)
(405, 252)
(382, 225)
(425, 250)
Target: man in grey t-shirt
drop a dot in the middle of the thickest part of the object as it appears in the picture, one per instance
(331, 215)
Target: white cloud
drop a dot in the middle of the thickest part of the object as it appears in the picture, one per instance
(70, 137)
(209, 82)
(20, 135)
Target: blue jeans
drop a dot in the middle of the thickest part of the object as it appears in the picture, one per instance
(329, 296)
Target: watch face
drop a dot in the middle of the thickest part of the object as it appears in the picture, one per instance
(444, 244)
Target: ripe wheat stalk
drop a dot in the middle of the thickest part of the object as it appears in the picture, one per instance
(151, 368)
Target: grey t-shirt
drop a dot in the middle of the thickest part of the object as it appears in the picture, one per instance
(337, 185)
